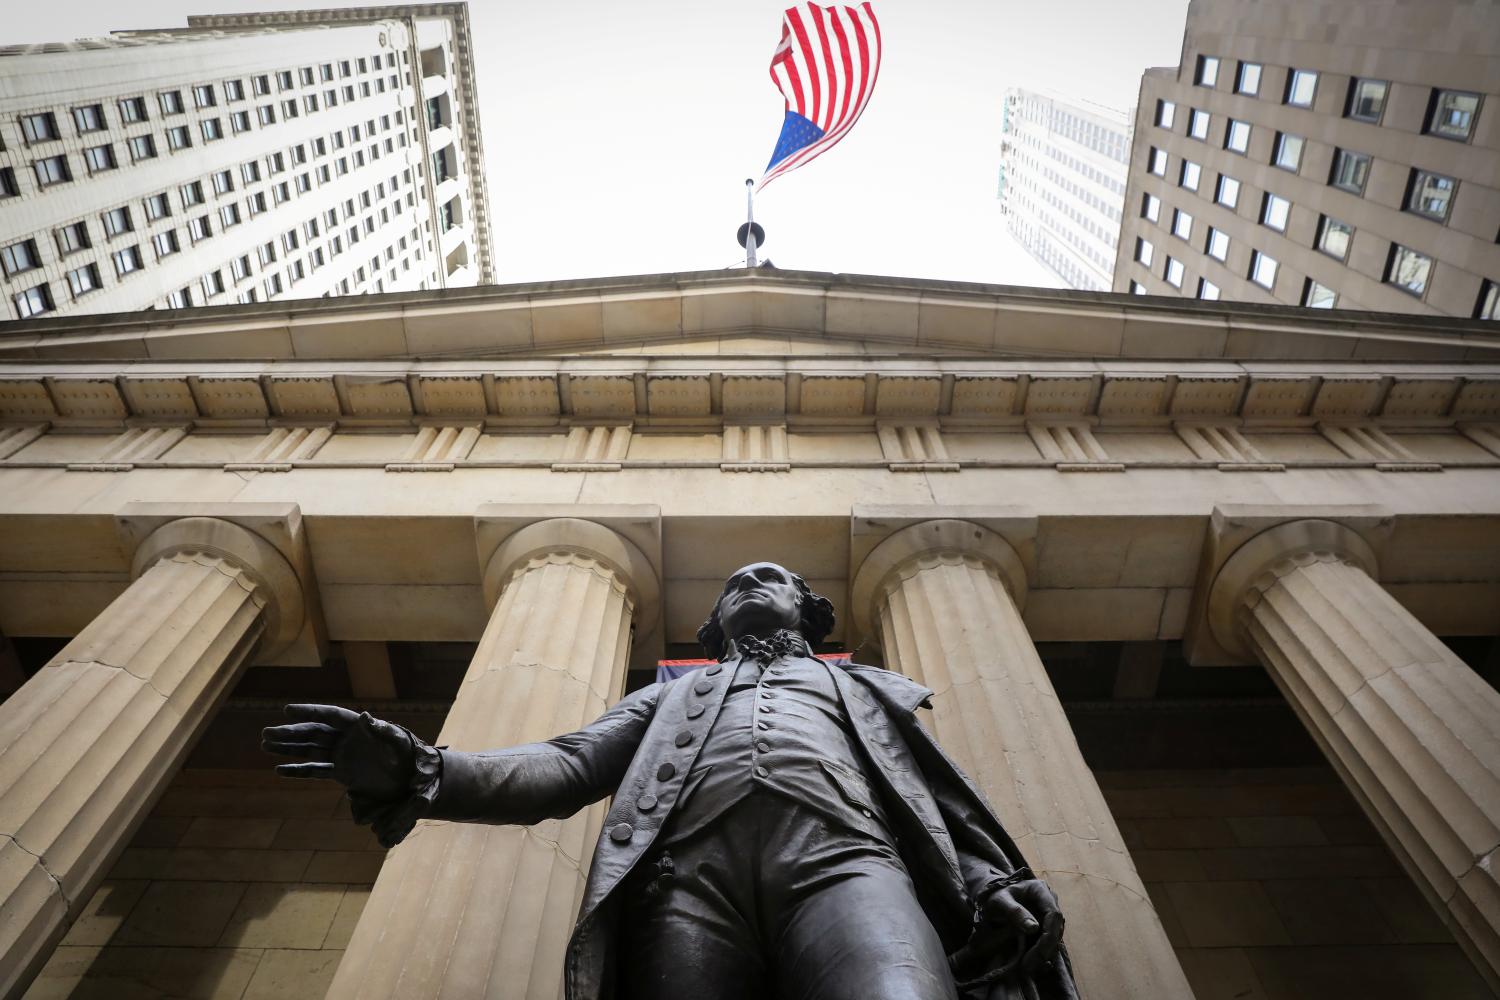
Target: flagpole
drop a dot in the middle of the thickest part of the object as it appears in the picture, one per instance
(750, 223)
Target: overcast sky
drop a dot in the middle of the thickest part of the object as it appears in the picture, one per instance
(618, 133)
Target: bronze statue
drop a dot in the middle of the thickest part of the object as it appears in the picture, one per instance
(781, 827)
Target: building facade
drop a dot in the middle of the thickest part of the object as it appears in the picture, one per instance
(1343, 156)
(1207, 595)
(244, 158)
(1062, 183)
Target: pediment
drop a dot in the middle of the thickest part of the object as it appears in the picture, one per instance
(759, 314)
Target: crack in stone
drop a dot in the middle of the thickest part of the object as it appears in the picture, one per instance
(42, 864)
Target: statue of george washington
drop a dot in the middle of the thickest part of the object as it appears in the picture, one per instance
(781, 827)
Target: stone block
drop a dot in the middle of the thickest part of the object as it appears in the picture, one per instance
(213, 831)
(180, 914)
(105, 911)
(1226, 914)
(1221, 974)
(178, 973)
(191, 864)
(1370, 973)
(292, 974)
(344, 866)
(1276, 831)
(351, 905)
(272, 915)
(339, 834)
(1329, 911)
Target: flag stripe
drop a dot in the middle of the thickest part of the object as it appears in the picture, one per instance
(844, 57)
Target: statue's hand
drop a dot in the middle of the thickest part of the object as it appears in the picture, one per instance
(1030, 910)
(373, 758)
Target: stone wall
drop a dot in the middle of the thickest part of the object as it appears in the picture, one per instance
(240, 885)
(1273, 886)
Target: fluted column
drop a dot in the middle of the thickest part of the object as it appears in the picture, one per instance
(465, 910)
(945, 599)
(1414, 732)
(89, 742)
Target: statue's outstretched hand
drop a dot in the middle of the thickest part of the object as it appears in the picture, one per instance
(371, 757)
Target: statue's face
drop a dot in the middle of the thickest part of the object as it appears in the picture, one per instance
(759, 599)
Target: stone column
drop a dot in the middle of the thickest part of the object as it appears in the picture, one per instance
(467, 911)
(1413, 731)
(945, 597)
(89, 742)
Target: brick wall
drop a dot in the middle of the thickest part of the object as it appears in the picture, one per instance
(240, 885)
(1273, 886)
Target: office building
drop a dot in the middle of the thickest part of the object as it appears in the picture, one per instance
(1207, 595)
(1062, 183)
(1338, 155)
(243, 158)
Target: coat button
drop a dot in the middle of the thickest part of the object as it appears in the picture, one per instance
(761, 772)
(715, 670)
(684, 738)
(695, 711)
(763, 746)
(665, 772)
(646, 802)
(621, 833)
(703, 687)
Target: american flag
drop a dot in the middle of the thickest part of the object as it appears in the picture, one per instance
(825, 67)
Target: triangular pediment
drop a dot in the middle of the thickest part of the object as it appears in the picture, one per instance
(754, 314)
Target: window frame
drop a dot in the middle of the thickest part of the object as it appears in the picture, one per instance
(1355, 156)
(1309, 287)
(41, 292)
(1174, 266)
(1206, 71)
(1434, 105)
(1199, 124)
(1270, 200)
(48, 132)
(23, 247)
(1150, 207)
(1326, 224)
(1239, 78)
(1410, 203)
(1257, 258)
(1280, 147)
(1182, 175)
(1231, 130)
(1216, 236)
(1293, 77)
(1181, 229)
(1391, 266)
(1203, 285)
(1233, 203)
(82, 111)
(1351, 103)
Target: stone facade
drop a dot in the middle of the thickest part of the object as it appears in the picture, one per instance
(1218, 501)
(1341, 155)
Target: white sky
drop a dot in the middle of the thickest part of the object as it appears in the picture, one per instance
(618, 133)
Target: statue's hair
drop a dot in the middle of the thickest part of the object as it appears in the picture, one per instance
(817, 619)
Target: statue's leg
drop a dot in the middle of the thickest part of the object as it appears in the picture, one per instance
(843, 918)
(683, 930)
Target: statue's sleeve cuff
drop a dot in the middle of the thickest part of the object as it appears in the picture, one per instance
(392, 820)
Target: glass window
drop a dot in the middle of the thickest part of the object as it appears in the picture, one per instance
(117, 221)
(191, 193)
(52, 170)
(284, 80)
(142, 147)
(1208, 290)
(199, 228)
(1318, 296)
(178, 137)
(33, 301)
(40, 127)
(19, 257)
(1334, 237)
(1208, 71)
(157, 207)
(1217, 244)
(1151, 208)
(1248, 82)
(8, 186)
(73, 237)
(1263, 269)
(239, 121)
(1144, 251)
(1489, 301)
(1136, 288)
(213, 283)
(1430, 195)
(1237, 136)
(127, 260)
(306, 75)
(100, 158)
(89, 118)
(1408, 270)
(1182, 224)
(133, 109)
(83, 280)
(1367, 99)
(1191, 175)
(1289, 151)
(1198, 124)
(234, 90)
(1174, 272)
(250, 171)
(1301, 85)
(260, 85)
(1453, 113)
(1274, 211)
(1228, 192)
(223, 182)
(171, 102)
(229, 216)
(203, 96)
(165, 243)
(1350, 170)
(212, 129)
(240, 267)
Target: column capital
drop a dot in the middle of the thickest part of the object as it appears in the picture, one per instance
(908, 547)
(1253, 559)
(264, 540)
(624, 537)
